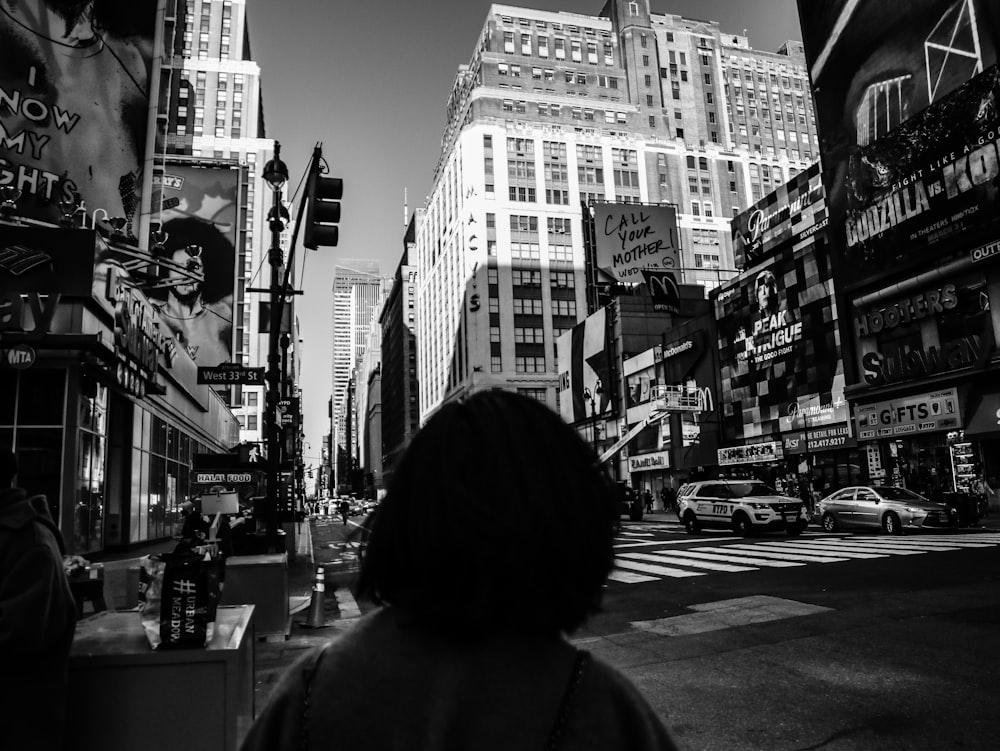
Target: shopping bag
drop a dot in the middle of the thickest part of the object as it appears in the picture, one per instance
(178, 598)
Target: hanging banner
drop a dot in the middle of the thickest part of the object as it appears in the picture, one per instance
(631, 238)
(663, 290)
(200, 222)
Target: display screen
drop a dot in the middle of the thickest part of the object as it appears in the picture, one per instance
(779, 346)
(906, 104)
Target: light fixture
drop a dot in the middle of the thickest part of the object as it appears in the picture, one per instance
(9, 196)
(275, 171)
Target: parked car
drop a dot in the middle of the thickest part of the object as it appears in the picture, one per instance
(887, 507)
(744, 506)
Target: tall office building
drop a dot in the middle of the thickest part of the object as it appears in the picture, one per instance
(555, 109)
(210, 115)
(357, 291)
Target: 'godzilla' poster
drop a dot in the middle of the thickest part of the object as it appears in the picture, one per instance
(907, 104)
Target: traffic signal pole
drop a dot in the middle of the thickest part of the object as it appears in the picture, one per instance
(322, 213)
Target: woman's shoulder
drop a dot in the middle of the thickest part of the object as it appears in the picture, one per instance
(614, 707)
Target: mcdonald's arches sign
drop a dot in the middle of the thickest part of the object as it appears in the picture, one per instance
(663, 289)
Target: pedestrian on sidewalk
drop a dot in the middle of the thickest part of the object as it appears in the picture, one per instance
(37, 619)
(481, 559)
(345, 509)
(647, 499)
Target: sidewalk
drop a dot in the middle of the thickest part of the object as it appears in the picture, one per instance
(321, 541)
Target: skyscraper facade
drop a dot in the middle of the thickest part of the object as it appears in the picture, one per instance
(556, 110)
(357, 292)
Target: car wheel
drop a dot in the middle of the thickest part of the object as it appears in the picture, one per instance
(891, 525)
(691, 525)
(829, 522)
(742, 525)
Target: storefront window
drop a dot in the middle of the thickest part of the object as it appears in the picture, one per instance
(88, 513)
(160, 476)
(31, 423)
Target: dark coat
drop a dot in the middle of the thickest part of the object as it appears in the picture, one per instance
(37, 621)
(386, 684)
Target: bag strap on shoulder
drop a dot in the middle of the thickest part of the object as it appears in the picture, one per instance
(566, 706)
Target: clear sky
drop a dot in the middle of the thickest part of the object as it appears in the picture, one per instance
(370, 80)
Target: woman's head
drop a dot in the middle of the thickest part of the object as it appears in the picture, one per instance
(496, 517)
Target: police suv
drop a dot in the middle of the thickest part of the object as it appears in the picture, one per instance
(745, 506)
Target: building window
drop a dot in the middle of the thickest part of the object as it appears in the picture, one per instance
(494, 333)
(496, 364)
(524, 364)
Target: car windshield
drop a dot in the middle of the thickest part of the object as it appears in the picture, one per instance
(742, 489)
(897, 494)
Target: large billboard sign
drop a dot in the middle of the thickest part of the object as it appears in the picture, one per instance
(74, 103)
(906, 100)
(791, 213)
(630, 238)
(200, 218)
(584, 359)
(779, 345)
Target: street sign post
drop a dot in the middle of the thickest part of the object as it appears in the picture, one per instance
(231, 374)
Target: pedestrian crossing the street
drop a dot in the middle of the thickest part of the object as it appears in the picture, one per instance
(635, 562)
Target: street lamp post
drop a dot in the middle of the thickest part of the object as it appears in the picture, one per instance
(275, 175)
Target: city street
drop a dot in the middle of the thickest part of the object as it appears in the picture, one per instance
(824, 641)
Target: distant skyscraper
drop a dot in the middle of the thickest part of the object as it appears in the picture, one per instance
(357, 291)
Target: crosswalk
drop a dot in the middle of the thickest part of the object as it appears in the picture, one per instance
(635, 562)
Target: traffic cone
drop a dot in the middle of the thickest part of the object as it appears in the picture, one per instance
(315, 618)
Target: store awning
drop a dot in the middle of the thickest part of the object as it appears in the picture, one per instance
(984, 422)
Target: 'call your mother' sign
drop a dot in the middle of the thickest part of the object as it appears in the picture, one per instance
(631, 238)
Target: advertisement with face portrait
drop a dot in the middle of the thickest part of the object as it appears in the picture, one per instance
(779, 345)
(583, 356)
(200, 221)
(906, 101)
(74, 102)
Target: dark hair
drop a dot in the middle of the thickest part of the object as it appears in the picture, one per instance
(218, 255)
(8, 467)
(498, 516)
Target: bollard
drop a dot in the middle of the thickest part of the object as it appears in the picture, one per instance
(315, 618)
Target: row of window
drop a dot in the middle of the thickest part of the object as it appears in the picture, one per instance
(530, 46)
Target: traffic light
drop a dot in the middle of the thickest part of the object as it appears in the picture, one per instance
(322, 210)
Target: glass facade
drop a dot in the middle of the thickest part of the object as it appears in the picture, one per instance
(88, 511)
(31, 422)
(161, 463)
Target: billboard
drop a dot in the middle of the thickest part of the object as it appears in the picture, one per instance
(584, 359)
(789, 214)
(905, 99)
(779, 345)
(630, 238)
(200, 216)
(74, 104)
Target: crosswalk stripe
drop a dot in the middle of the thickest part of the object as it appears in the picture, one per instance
(921, 543)
(843, 545)
(627, 577)
(646, 568)
(681, 561)
(785, 555)
(636, 567)
(918, 547)
(704, 553)
(808, 547)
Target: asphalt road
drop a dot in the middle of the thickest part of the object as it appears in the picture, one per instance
(850, 641)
